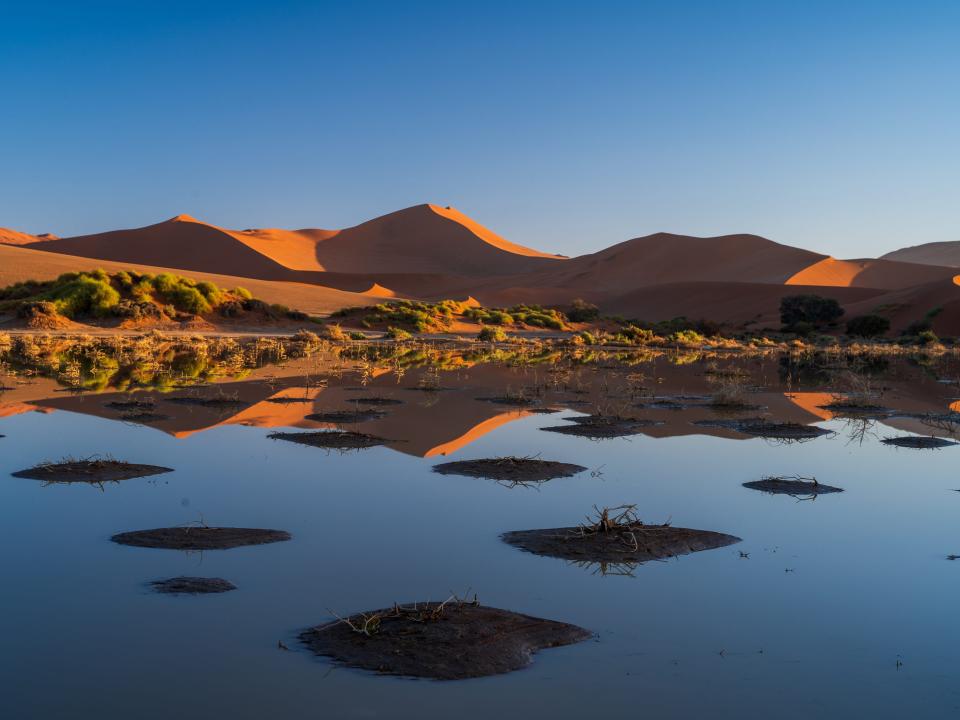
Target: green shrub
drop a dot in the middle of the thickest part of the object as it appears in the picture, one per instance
(927, 337)
(868, 326)
(395, 333)
(243, 293)
(87, 294)
(582, 311)
(492, 334)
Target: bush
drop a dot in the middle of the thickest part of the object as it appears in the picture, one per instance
(868, 326)
(812, 309)
(333, 332)
(395, 333)
(927, 337)
(87, 294)
(582, 311)
(357, 336)
(492, 334)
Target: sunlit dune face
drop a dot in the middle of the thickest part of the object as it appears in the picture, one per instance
(811, 402)
(476, 432)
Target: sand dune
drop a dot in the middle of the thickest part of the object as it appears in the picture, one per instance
(432, 252)
(665, 258)
(883, 274)
(935, 253)
(723, 302)
(19, 263)
(909, 305)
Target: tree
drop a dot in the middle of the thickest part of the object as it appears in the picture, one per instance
(811, 309)
(868, 326)
(582, 311)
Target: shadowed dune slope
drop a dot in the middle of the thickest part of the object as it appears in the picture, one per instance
(180, 242)
(19, 263)
(723, 302)
(424, 239)
(883, 274)
(909, 305)
(427, 239)
(666, 258)
(935, 253)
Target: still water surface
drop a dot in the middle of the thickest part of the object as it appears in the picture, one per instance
(833, 593)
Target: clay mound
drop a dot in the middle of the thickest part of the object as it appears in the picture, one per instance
(629, 544)
(869, 273)
(796, 487)
(510, 469)
(782, 430)
(199, 538)
(946, 254)
(90, 471)
(185, 585)
(330, 439)
(601, 427)
(342, 417)
(854, 410)
(375, 401)
(918, 442)
(214, 401)
(450, 641)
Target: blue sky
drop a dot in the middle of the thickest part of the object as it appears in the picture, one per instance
(564, 126)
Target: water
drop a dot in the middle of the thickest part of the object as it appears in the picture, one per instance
(834, 593)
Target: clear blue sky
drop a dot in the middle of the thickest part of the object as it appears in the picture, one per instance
(565, 126)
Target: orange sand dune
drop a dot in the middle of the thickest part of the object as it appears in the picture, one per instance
(665, 258)
(724, 302)
(935, 253)
(14, 237)
(426, 239)
(420, 239)
(910, 305)
(294, 249)
(884, 274)
(20, 263)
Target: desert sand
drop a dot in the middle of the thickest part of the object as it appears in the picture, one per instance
(431, 252)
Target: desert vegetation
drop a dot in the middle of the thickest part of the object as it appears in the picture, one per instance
(131, 299)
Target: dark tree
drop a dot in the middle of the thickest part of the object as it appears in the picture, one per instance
(868, 326)
(811, 309)
(582, 311)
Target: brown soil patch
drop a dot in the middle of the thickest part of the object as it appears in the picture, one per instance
(796, 487)
(783, 431)
(920, 442)
(510, 469)
(442, 641)
(858, 411)
(132, 404)
(289, 400)
(628, 544)
(145, 416)
(514, 400)
(199, 538)
(346, 416)
(603, 426)
(90, 471)
(185, 585)
(332, 439)
(376, 401)
(213, 402)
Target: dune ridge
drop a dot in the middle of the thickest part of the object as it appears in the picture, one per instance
(432, 252)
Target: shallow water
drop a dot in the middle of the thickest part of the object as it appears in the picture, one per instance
(835, 591)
